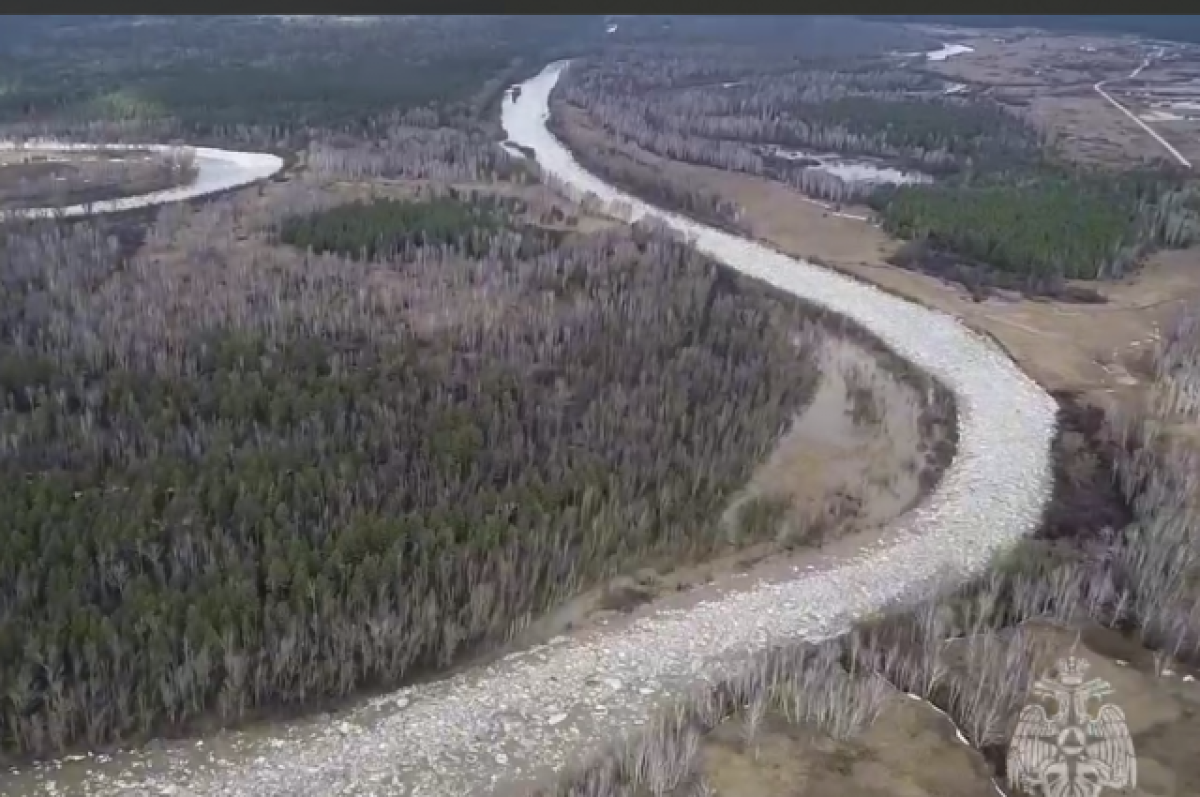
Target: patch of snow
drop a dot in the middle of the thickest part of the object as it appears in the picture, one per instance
(319, 18)
(948, 51)
(1160, 116)
(854, 171)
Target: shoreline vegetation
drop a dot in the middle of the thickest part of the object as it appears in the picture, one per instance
(317, 250)
(204, 429)
(1114, 555)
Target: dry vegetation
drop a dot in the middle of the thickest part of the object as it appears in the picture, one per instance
(828, 719)
(964, 178)
(74, 177)
(1113, 572)
(340, 431)
(1051, 79)
(343, 430)
(1060, 344)
(1166, 96)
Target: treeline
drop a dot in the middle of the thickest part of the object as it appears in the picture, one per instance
(995, 206)
(415, 146)
(667, 103)
(393, 228)
(666, 190)
(1037, 230)
(307, 86)
(813, 36)
(240, 477)
(20, 30)
(212, 75)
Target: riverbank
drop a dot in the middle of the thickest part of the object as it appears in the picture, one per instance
(509, 723)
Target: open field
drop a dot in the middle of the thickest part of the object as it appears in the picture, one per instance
(1052, 78)
(1166, 95)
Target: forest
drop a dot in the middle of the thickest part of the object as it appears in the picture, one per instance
(816, 36)
(236, 481)
(987, 201)
(385, 229)
(1071, 225)
(654, 185)
(256, 468)
(669, 103)
(221, 76)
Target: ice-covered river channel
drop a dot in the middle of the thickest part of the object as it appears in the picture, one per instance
(498, 728)
(216, 170)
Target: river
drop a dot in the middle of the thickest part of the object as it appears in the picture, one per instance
(216, 170)
(500, 728)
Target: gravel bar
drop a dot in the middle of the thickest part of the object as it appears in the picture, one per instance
(495, 729)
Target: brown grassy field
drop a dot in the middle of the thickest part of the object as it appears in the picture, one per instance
(1166, 96)
(1052, 77)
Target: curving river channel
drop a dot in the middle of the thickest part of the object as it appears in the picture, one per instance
(496, 729)
(216, 170)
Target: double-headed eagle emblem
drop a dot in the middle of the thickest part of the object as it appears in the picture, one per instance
(1071, 753)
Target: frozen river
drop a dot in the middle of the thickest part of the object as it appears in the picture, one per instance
(217, 170)
(496, 729)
